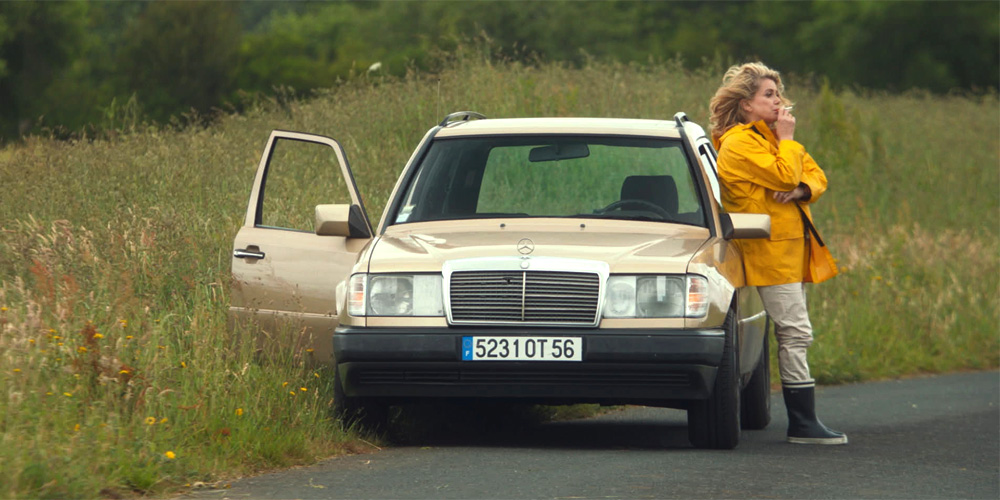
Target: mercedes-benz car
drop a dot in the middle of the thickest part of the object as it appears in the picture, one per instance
(538, 260)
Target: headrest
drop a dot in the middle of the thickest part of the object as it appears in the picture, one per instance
(657, 189)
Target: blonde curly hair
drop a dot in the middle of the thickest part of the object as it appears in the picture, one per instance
(740, 83)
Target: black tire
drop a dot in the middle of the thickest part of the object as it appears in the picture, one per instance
(755, 412)
(715, 422)
(372, 417)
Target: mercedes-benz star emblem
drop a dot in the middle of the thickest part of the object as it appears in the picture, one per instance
(525, 246)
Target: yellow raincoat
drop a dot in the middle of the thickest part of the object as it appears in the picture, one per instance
(753, 165)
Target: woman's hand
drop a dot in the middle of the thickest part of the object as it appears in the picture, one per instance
(784, 126)
(800, 193)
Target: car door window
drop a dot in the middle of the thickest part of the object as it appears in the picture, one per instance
(300, 175)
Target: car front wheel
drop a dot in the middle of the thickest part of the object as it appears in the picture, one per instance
(714, 423)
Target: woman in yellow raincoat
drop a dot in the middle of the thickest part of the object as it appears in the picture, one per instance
(764, 171)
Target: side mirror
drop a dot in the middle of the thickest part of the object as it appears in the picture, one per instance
(745, 226)
(341, 220)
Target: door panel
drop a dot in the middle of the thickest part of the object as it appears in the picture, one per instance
(284, 275)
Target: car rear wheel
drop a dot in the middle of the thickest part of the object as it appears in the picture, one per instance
(371, 416)
(715, 422)
(756, 397)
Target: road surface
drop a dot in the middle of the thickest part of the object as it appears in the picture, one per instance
(929, 437)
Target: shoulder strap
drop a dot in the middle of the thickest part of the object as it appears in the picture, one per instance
(810, 228)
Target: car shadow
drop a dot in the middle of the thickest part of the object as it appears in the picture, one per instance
(528, 427)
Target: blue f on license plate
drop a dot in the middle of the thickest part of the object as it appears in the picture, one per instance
(522, 349)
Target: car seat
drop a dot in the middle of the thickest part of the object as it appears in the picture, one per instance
(660, 190)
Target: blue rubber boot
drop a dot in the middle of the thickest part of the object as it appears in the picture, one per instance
(803, 426)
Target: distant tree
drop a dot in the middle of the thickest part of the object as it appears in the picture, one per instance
(934, 45)
(65, 63)
(294, 49)
(181, 55)
(38, 40)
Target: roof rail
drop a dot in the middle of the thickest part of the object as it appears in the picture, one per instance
(462, 116)
(680, 118)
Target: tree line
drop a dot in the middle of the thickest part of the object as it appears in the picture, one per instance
(91, 65)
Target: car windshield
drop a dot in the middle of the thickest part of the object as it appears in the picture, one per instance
(553, 176)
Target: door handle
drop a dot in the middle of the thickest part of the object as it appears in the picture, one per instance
(251, 252)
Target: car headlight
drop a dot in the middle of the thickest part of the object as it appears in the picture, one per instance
(396, 295)
(656, 296)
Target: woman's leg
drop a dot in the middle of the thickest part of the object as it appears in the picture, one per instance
(786, 305)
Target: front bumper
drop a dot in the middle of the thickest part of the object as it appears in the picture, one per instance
(651, 367)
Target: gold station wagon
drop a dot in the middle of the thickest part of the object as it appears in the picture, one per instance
(539, 260)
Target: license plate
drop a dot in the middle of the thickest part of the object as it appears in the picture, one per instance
(522, 349)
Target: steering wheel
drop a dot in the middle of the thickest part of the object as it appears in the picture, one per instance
(653, 207)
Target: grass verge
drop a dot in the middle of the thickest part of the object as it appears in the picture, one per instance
(118, 371)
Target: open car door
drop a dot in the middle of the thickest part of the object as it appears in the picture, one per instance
(305, 225)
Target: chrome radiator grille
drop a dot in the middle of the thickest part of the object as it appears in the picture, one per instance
(524, 297)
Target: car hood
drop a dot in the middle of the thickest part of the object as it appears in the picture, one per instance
(626, 246)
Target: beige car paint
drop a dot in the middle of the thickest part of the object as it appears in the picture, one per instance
(299, 274)
(628, 247)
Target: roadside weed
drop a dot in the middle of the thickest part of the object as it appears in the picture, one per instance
(119, 373)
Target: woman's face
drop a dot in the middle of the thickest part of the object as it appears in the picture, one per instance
(765, 103)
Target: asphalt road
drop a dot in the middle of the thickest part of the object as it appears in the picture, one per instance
(934, 437)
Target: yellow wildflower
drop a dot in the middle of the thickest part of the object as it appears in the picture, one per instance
(170, 455)
(17, 370)
(303, 389)
(123, 372)
(239, 412)
(31, 341)
(310, 350)
(68, 394)
(316, 375)
(150, 420)
(183, 364)
(76, 428)
(163, 420)
(284, 384)
(161, 347)
(98, 336)
(291, 392)
(124, 322)
(52, 331)
(81, 349)
(48, 393)
(59, 344)
(3, 309)
(128, 337)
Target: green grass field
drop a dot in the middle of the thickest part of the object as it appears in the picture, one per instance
(119, 374)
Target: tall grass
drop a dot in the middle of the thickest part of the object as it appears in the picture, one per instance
(118, 372)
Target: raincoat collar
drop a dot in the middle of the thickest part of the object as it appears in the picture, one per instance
(758, 126)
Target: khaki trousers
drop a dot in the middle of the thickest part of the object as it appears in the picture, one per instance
(786, 305)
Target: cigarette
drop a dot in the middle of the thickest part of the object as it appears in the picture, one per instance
(789, 108)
